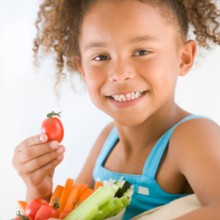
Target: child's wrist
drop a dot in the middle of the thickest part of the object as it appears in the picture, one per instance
(33, 193)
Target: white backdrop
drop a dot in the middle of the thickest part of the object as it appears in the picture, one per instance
(27, 95)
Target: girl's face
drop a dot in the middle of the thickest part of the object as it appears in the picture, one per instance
(130, 59)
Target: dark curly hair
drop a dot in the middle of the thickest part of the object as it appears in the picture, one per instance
(58, 23)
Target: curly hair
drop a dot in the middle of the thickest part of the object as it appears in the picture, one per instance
(58, 23)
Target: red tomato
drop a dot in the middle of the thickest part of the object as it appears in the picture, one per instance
(33, 207)
(47, 211)
(52, 127)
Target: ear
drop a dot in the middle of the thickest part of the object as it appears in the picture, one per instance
(187, 56)
(80, 67)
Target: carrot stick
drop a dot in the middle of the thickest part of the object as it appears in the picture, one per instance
(65, 194)
(98, 184)
(82, 188)
(85, 195)
(22, 205)
(73, 199)
(56, 195)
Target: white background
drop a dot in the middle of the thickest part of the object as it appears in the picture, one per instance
(26, 95)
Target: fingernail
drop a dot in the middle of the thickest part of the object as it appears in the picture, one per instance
(43, 138)
(60, 150)
(54, 144)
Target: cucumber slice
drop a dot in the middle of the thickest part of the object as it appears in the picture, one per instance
(123, 187)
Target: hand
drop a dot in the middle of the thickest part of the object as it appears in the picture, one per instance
(35, 160)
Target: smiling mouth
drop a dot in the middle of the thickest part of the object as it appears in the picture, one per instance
(128, 96)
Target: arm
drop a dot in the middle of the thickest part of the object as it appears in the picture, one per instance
(198, 159)
(85, 175)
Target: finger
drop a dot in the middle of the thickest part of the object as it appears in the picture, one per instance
(43, 171)
(31, 141)
(37, 162)
(32, 152)
(27, 143)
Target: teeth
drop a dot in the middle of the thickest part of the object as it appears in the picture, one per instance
(127, 97)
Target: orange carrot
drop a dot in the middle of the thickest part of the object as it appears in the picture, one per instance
(98, 184)
(73, 198)
(82, 188)
(22, 205)
(65, 194)
(56, 195)
(85, 195)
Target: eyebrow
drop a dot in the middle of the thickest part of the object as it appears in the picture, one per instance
(133, 40)
(143, 38)
(95, 44)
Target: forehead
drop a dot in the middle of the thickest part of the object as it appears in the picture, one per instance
(127, 17)
(125, 8)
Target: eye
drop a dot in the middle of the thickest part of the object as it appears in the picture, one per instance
(141, 52)
(101, 58)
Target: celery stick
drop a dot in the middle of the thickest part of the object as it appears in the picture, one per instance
(118, 207)
(125, 201)
(90, 207)
(99, 216)
(105, 209)
(88, 212)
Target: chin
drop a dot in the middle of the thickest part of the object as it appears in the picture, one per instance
(130, 121)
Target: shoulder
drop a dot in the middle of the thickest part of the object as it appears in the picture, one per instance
(195, 151)
(103, 135)
(195, 134)
(196, 130)
(87, 170)
(97, 147)
(100, 140)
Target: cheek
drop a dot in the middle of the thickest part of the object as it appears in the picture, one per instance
(161, 74)
(92, 76)
(94, 80)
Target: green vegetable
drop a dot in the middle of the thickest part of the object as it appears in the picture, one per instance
(123, 187)
(90, 207)
(105, 202)
(118, 207)
(125, 200)
(105, 210)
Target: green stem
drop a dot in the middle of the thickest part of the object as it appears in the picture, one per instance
(52, 114)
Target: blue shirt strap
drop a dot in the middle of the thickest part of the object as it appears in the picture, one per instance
(153, 161)
(107, 147)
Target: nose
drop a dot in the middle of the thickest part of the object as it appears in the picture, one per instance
(121, 72)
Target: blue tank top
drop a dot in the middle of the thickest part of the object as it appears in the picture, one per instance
(147, 193)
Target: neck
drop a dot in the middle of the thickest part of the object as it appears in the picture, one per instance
(142, 137)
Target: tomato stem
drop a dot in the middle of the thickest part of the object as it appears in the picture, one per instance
(56, 204)
(52, 114)
(22, 217)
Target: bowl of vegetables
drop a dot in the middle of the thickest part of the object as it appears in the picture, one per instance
(107, 200)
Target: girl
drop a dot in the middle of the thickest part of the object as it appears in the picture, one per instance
(130, 54)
